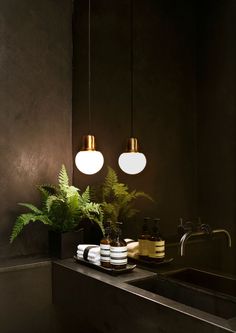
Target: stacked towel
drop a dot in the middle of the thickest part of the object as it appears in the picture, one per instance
(89, 252)
(132, 248)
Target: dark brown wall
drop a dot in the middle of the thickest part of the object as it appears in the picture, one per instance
(184, 88)
(35, 116)
(164, 93)
(216, 104)
(170, 56)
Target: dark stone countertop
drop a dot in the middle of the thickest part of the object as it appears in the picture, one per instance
(218, 324)
(23, 262)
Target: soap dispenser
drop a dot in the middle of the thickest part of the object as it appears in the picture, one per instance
(105, 247)
(156, 244)
(118, 249)
(143, 240)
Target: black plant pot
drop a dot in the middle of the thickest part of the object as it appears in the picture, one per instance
(64, 245)
(92, 233)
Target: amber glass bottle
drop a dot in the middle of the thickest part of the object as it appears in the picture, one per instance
(143, 240)
(118, 249)
(105, 247)
(156, 244)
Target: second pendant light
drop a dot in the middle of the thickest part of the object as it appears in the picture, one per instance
(132, 161)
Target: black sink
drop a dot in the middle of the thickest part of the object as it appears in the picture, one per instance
(212, 282)
(189, 295)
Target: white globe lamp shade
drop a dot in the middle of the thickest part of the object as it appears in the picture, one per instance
(89, 161)
(132, 162)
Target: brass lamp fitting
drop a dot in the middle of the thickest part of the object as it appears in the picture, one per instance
(132, 145)
(88, 143)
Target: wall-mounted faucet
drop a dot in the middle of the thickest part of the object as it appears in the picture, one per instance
(199, 231)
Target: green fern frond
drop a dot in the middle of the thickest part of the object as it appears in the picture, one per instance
(63, 178)
(21, 221)
(73, 206)
(140, 194)
(47, 189)
(90, 209)
(62, 207)
(116, 199)
(111, 211)
(120, 190)
(31, 207)
(50, 200)
(44, 194)
(86, 195)
(110, 180)
(70, 191)
(93, 212)
(93, 193)
(42, 218)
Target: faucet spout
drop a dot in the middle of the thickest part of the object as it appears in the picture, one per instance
(226, 233)
(185, 238)
(205, 231)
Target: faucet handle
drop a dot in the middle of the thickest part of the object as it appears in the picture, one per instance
(206, 228)
(184, 227)
(189, 226)
(199, 222)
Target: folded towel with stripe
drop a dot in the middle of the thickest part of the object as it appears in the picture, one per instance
(89, 252)
(132, 248)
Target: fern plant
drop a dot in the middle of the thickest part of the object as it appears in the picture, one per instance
(62, 208)
(116, 200)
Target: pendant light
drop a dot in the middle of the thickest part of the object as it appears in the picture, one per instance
(132, 161)
(88, 160)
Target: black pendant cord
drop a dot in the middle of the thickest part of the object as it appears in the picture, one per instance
(131, 71)
(89, 68)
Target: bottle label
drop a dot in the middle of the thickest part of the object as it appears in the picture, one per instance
(105, 247)
(118, 262)
(157, 249)
(118, 255)
(160, 243)
(143, 247)
(105, 252)
(118, 249)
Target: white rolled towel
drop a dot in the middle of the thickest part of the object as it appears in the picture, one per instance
(89, 252)
(82, 247)
(132, 248)
(89, 257)
(132, 245)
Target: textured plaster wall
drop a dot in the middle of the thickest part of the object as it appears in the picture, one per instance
(35, 109)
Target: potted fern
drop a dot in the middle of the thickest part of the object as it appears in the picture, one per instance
(63, 210)
(116, 200)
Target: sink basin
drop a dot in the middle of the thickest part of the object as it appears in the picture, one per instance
(185, 294)
(212, 282)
